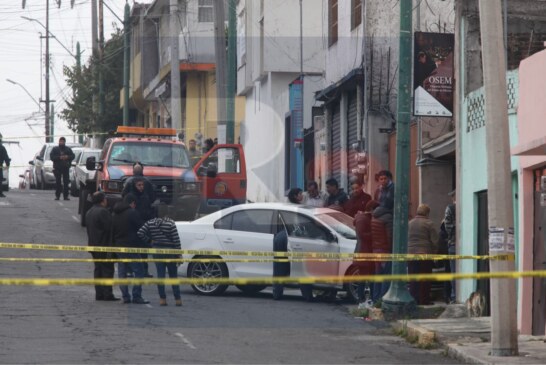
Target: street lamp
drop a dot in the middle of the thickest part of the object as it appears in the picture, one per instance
(50, 34)
(32, 97)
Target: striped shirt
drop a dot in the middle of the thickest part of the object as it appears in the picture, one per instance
(161, 233)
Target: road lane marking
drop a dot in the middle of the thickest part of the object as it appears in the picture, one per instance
(185, 340)
(75, 218)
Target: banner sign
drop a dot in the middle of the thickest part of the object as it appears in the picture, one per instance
(433, 82)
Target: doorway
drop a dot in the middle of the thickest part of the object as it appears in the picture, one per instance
(483, 248)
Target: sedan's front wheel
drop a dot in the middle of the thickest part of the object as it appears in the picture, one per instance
(208, 270)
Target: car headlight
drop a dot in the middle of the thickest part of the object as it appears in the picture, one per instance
(112, 186)
(194, 187)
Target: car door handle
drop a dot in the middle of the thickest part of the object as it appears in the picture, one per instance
(296, 247)
(228, 240)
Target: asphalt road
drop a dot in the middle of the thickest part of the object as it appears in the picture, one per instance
(66, 324)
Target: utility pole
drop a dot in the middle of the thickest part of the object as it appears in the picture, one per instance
(232, 71)
(47, 129)
(101, 57)
(176, 106)
(79, 71)
(52, 122)
(126, 49)
(504, 336)
(94, 35)
(398, 300)
(221, 64)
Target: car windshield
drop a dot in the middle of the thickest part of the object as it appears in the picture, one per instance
(149, 154)
(339, 222)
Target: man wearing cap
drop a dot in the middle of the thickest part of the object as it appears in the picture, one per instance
(449, 223)
(3, 158)
(62, 157)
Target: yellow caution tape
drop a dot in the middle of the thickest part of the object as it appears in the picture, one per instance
(271, 280)
(324, 255)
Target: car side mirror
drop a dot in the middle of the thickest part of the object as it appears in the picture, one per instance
(40, 158)
(31, 162)
(212, 170)
(91, 164)
(22, 176)
(332, 238)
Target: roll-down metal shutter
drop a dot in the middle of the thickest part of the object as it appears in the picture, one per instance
(352, 135)
(336, 143)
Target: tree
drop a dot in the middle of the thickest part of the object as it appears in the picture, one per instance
(81, 112)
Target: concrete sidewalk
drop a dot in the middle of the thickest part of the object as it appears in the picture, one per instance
(468, 339)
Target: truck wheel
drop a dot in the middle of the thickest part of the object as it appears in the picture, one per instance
(85, 205)
(73, 189)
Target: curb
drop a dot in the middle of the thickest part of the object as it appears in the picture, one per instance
(458, 352)
(423, 336)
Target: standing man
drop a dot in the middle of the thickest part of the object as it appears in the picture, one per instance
(313, 196)
(126, 223)
(449, 223)
(336, 196)
(193, 154)
(358, 200)
(280, 268)
(3, 158)
(62, 157)
(99, 224)
(386, 190)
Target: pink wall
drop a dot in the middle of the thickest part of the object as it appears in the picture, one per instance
(531, 125)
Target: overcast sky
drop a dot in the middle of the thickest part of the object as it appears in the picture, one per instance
(21, 61)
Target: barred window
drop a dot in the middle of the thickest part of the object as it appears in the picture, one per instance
(206, 11)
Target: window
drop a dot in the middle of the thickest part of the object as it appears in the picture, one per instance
(226, 159)
(149, 154)
(206, 11)
(332, 22)
(258, 221)
(299, 225)
(356, 13)
(224, 222)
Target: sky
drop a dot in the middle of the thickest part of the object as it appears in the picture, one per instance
(21, 61)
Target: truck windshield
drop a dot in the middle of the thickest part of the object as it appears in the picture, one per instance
(149, 154)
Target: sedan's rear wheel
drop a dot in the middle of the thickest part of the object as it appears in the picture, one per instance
(352, 287)
(208, 270)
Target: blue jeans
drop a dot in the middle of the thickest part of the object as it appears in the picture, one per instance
(381, 288)
(138, 271)
(172, 268)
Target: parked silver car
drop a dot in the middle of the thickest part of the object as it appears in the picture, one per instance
(43, 166)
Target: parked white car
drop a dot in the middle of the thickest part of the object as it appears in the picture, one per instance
(250, 227)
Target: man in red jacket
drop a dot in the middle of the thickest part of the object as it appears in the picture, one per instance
(358, 200)
(363, 227)
(381, 226)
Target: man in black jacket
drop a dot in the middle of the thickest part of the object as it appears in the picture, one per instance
(3, 158)
(126, 223)
(62, 157)
(99, 223)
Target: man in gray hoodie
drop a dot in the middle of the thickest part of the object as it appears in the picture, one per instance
(162, 233)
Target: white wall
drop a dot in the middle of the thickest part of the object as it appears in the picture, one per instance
(197, 39)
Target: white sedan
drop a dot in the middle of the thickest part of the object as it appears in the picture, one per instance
(250, 227)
